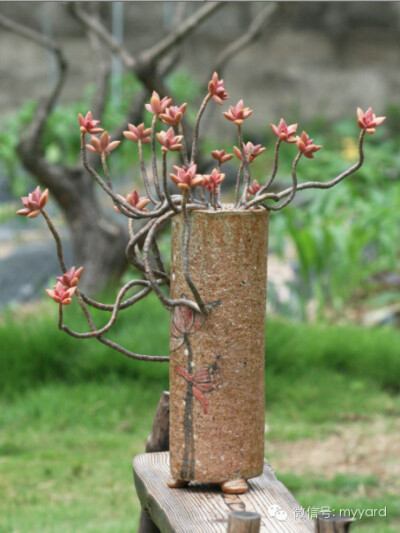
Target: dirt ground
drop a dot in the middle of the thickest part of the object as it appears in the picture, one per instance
(360, 447)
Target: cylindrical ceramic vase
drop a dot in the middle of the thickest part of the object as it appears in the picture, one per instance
(217, 362)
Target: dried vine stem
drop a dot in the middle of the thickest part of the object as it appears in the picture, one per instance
(246, 164)
(113, 318)
(123, 305)
(316, 184)
(133, 355)
(186, 268)
(57, 239)
(127, 209)
(154, 159)
(121, 349)
(133, 252)
(165, 183)
(184, 149)
(197, 127)
(274, 170)
(106, 171)
(144, 173)
(159, 261)
(60, 255)
(165, 301)
(293, 188)
(237, 188)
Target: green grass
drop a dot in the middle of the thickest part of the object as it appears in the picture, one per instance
(73, 415)
(65, 457)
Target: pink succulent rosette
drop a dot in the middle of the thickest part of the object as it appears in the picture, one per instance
(33, 203)
(173, 114)
(306, 145)
(213, 180)
(158, 106)
(238, 114)
(221, 156)
(136, 201)
(104, 145)
(253, 189)
(284, 132)
(61, 294)
(251, 150)
(88, 124)
(169, 141)
(138, 133)
(70, 278)
(216, 89)
(368, 121)
(186, 177)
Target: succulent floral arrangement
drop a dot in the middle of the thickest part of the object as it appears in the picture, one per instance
(196, 192)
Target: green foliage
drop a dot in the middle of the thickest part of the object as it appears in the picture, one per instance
(362, 353)
(62, 139)
(9, 136)
(345, 235)
(35, 352)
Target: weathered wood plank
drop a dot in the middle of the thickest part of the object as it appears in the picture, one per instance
(204, 508)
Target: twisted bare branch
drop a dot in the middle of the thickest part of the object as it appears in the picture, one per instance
(101, 31)
(258, 24)
(316, 184)
(177, 35)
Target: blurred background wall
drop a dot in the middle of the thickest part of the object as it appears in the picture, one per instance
(316, 57)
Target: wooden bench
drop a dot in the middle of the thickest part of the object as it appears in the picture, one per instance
(267, 507)
(204, 508)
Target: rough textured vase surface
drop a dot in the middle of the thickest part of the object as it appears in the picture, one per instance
(217, 363)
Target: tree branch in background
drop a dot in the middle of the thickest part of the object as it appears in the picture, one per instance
(46, 104)
(258, 24)
(100, 30)
(103, 67)
(171, 61)
(177, 35)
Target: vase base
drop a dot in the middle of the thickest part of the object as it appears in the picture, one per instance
(234, 486)
(176, 483)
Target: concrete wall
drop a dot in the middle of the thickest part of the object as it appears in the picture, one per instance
(320, 57)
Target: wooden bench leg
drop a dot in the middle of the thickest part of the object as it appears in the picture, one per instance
(158, 441)
(146, 524)
(331, 523)
(243, 522)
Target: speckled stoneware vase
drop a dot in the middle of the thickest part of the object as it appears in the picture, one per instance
(217, 362)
